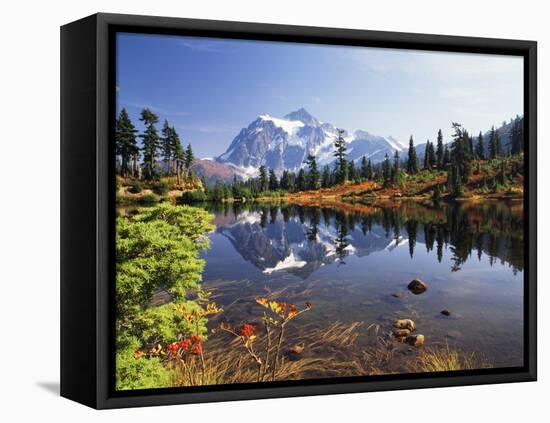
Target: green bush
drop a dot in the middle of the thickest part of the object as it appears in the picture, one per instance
(149, 199)
(189, 197)
(161, 188)
(135, 187)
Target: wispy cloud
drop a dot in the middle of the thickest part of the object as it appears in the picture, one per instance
(160, 110)
(206, 45)
(210, 129)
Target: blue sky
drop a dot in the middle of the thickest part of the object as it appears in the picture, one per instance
(210, 88)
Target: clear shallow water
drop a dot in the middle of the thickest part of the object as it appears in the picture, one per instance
(349, 262)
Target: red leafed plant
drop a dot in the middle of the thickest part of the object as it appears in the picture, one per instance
(278, 316)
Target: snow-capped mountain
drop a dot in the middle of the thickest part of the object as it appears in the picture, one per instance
(285, 143)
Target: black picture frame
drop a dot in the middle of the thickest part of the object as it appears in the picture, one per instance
(87, 208)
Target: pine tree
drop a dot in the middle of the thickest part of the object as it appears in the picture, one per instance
(396, 171)
(427, 164)
(340, 154)
(364, 168)
(352, 171)
(286, 183)
(301, 181)
(273, 182)
(480, 153)
(440, 150)
(386, 171)
(493, 144)
(189, 157)
(412, 162)
(125, 141)
(446, 157)
(264, 180)
(370, 173)
(325, 178)
(313, 176)
(432, 160)
(166, 146)
(150, 143)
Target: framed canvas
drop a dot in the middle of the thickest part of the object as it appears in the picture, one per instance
(257, 211)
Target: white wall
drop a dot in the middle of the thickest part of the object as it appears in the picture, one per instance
(29, 238)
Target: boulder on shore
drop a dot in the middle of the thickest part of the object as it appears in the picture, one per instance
(415, 340)
(401, 333)
(416, 286)
(404, 324)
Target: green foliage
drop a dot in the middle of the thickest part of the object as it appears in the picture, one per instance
(412, 161)
(340, 152)
(149, 199)
(151, 142)
(125, 141)
(195, 196)
(135, 187)
(161, 187)
(144, 373)
(156, 249)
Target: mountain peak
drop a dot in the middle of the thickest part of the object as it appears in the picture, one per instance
(303, 116)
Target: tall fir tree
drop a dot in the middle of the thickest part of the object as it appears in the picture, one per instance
(364, 168)
(386, 171)
(412, 161)
(125, 142)
(189, 157)
(313, 176)
(340, 152)
(325, 177)
(432, 160)
(493, 144)
(166, 146)
(479, 149)
(301, 180)
(264, 179)
(273, 182)
(396, 170)
(150, 142)
(440, 153)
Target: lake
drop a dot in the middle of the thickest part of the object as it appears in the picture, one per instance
(354, 262)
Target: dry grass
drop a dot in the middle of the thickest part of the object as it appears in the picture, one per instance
(447, 359)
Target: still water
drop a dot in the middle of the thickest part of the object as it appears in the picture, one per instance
(354, 264)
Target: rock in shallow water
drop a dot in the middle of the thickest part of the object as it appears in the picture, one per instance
(396, 294)
(415, 340)
(416, 286)
(401, 333)
(404, 324)
(445, 312)
(297, 349)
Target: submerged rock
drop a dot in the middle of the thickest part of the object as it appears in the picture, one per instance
(404, 324)
(445, 312)
(415, 340)
(416, 286)
(396, 294)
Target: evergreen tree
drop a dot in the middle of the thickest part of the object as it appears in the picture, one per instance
(286, 183)
(480, 153)
(125, 141)
(340, 154)
(313, 177)
(273, 182)
(432, 160)
(412, 162)
(264, 180)
(386, 171)
(150, 143)
(396, 171)
(517, 136)
(189, 157)
(427, 164)
(301, 181)
(352, 171)
(370, 172)
(364, 168)
(325, 178)
(493, 144)
(166, 146)
(178, 154)
(446, 157)
(440, 150)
